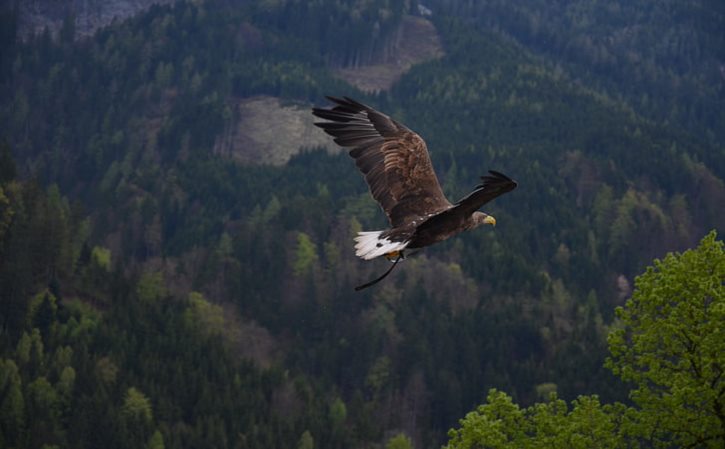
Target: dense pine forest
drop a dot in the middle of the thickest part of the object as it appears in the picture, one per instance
(155, 292)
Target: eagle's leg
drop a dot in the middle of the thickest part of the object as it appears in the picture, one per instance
(393, 256)
(395, 262)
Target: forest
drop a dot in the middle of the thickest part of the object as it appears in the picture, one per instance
(154, 293)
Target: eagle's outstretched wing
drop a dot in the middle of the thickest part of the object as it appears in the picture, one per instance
(393, 159)
(493, 185)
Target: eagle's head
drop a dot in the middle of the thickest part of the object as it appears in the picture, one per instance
(482, 218)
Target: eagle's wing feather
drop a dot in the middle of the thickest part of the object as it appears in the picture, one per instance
(493, 185)
(393, 159)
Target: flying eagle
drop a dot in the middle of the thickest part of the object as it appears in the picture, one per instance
(398, 170)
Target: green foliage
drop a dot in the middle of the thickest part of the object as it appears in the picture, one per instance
(106, 371)
(499, 423)
(156, 441)
(66, 382)
(306, 441)
(379, 374)
(671, 345)
(43, 406)
(337, 414)
(101, 257)
(151, 286)
(83, 322)
(40, 238)
(136, 418)
(136, 407)
(30, 349)
(399, 441)
(41, 309)
(305, 255)
(202, 315)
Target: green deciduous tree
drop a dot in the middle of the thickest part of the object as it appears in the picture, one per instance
(43, 410)
(306, 441)
(151, 286)
(399, 441)
(337, 414)
(136, 418)
(30, 350)
(204, 316)
(156, 441)
(672, 347)
(101, 257)
(136, 406)
(670, 344)
(305, 255)
(500, 423)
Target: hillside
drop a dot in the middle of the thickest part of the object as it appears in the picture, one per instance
(415, 42)
(250, 139)
(663, 58)
(83, 17)
(176, 252)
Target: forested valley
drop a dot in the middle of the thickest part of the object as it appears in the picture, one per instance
(155, 292)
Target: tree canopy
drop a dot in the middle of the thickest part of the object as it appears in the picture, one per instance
(670, 343)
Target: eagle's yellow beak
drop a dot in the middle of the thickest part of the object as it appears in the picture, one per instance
(490, 220)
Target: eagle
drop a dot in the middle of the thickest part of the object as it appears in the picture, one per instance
(397, 168)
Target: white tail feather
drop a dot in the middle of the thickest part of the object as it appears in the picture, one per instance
(370, 245)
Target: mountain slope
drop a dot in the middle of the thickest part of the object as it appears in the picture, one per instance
(82, 17)
(663, 58)
(129, 124)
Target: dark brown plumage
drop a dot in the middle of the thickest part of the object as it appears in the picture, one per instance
(398, 170)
